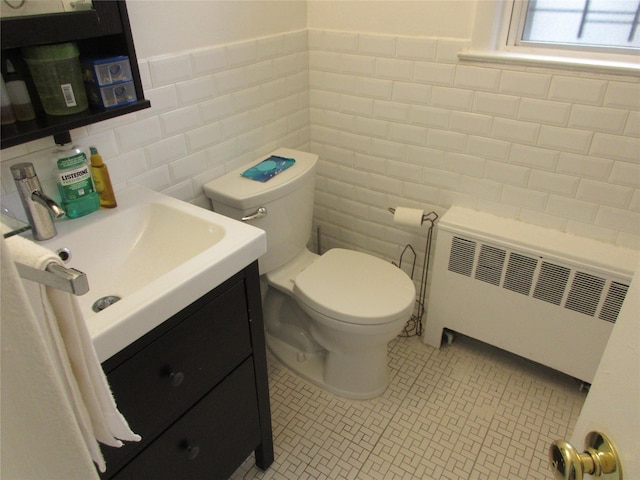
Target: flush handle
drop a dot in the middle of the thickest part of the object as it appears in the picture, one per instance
(599, 459)
(259, 213)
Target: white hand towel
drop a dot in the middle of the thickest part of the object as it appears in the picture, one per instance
(71, 343)
(41, 432)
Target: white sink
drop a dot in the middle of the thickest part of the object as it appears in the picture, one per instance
(157, 254)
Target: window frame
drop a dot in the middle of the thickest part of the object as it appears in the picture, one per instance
(489, 44)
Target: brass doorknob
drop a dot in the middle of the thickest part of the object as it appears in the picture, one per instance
(599, 459)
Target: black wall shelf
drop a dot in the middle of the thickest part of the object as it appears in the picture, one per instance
(102, 31)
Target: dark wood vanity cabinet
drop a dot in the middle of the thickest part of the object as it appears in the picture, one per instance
(196, 389)
(101, 31)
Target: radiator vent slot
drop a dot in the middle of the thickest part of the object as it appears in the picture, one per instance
(520, 272)
(462, 256)
(613, 301)
(585, 293)
(490, 264)
(551, 283)
(534, 276)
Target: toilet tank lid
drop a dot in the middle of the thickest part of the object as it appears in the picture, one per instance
(239, 192)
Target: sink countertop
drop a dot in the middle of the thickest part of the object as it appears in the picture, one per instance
(164, 295)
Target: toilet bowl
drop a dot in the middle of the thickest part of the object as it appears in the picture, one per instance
(328, 318)
(349, 306)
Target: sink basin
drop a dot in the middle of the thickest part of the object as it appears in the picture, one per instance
(157, 254)
(127, 251)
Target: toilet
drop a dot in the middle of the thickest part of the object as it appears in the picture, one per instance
(327, 317)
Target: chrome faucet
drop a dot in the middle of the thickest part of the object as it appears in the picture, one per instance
(38, 207)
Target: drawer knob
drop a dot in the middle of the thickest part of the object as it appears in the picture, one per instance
(176, 378)
(192, 450)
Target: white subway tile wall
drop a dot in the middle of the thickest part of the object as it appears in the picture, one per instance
(552, 147)
(212, 109)
(396, 120)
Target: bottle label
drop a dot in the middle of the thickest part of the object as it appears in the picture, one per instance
(74, 177)
(67, 93)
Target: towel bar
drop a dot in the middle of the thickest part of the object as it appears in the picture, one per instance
(56, 276)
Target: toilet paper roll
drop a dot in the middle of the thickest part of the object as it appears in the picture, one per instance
(408, 217)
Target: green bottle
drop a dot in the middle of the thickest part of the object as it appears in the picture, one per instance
(77, 191)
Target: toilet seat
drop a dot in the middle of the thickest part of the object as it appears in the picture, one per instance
(355, 288)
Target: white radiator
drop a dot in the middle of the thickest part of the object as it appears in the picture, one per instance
(545, 295)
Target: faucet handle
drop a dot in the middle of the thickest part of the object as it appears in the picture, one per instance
(22, 171)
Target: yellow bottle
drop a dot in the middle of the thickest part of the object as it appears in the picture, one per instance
(102, 181)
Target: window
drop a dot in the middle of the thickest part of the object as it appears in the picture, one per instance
(584, 24)
(600, 35)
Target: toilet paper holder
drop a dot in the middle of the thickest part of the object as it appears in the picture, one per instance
(426, 217)
(414, 325)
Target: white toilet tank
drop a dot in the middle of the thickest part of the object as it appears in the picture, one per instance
(288, 200)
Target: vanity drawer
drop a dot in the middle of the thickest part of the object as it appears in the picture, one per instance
(155, 386)
(210, 440)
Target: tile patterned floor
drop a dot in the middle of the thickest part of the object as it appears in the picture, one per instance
(466, 411)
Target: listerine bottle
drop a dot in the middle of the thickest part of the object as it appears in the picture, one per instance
(77, 191)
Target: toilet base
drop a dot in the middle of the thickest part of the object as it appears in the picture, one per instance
(311, 367)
